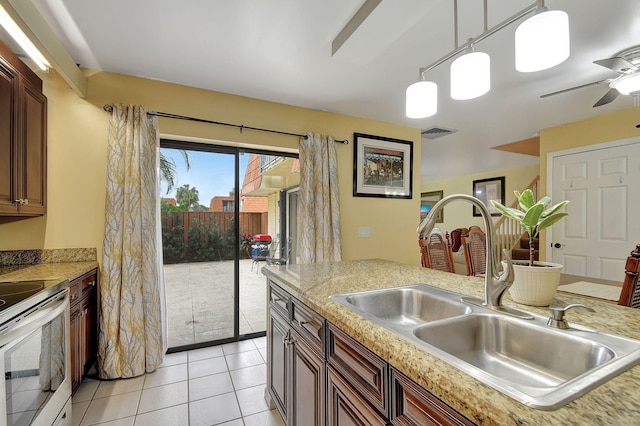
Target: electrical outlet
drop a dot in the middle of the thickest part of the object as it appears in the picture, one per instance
(364, 232)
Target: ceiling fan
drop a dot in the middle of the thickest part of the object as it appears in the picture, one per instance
(627, 65)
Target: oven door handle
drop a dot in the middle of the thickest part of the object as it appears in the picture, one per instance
(34, 318)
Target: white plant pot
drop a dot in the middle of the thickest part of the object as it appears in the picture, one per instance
(535, 285)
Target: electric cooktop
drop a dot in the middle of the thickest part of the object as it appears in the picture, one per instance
(18, 296)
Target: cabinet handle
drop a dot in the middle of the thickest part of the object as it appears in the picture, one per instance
(74, 296)
(301, 323)
(92, 283)
(21, 201)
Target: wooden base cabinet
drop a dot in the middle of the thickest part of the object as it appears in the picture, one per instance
(317, 374)
(84, 326)
(296, 371)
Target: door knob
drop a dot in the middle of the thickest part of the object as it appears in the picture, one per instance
(557, 245)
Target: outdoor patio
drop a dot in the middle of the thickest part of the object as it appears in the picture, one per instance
(200, 301)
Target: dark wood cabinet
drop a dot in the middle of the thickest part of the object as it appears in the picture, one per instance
(23, 139)
(318, 374)
(345, 405)
(84, 325)
(278, 355)
(414, 406)
(296, 370)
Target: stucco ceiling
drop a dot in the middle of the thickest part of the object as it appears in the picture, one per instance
(280, 50)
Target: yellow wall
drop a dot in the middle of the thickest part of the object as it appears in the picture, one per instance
(604, 128)
(77, 160)
(460, 214)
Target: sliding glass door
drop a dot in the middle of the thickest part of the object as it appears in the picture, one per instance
(220, 222)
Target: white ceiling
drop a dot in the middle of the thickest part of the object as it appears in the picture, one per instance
(280, 50)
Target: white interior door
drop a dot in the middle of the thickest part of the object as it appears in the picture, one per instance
(603, 186)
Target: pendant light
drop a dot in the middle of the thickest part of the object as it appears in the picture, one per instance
(422, 99)
(542, 41)
(470, 74)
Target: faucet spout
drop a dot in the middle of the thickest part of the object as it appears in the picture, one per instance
(495, 283)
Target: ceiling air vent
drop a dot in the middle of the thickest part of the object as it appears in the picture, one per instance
(436, 132)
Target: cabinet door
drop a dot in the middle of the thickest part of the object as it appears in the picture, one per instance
(345, 406)
(75, 339)
(90, 328)
(278, 360)
(32, 185)
(8, 124)
(308, 381)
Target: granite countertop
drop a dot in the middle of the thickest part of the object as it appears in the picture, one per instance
(46, 271)
(614, 402)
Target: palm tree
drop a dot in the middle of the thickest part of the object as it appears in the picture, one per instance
(187, 196)
(168, 168)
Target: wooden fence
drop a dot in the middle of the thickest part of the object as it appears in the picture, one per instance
(250, 223)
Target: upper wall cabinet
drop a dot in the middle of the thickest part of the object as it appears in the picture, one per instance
(23, 139)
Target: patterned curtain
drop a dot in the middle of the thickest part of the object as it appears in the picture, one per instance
(131, 331)
(319, 207)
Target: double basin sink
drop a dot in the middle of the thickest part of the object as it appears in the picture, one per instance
(535, 364)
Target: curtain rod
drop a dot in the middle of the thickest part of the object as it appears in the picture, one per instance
(109, 108)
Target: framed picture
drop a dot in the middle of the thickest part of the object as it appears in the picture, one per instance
(486, 190)
(382, 167)
(427, 201)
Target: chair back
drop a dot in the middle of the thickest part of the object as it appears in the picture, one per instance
(630, 295)
(475, 251)
(435, 252)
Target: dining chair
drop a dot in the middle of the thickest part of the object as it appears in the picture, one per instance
(630, 295)
(261, 252)
(282, 257)
(435, 252)
(475, 254)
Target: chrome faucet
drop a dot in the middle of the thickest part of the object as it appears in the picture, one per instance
(495, 284)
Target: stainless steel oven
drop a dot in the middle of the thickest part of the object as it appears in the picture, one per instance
(34, 353)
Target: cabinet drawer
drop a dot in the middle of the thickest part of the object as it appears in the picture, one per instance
(345, 406)
(364, 370)
(279, 300)
(74, 292)
(88, 282)
(309, 324)
(413, 405)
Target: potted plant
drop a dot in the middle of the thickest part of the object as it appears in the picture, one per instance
(535, 282)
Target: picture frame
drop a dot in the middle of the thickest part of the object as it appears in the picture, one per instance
(382, 167)
(427, 201)
(486, 190)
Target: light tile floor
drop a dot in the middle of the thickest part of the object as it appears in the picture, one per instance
(210, 386)
(200, 301)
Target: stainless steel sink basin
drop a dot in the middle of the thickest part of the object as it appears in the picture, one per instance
(405, 306)
(540, 366)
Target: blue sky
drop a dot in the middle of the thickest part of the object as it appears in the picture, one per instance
(211, 173)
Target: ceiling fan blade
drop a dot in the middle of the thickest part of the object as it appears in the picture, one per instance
(606, 80)
(616, 64)
(607, 98)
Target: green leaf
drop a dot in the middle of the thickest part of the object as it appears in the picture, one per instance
(554, 209)
(532, 216)
(550, 220)
(508, 211)
(526, 199)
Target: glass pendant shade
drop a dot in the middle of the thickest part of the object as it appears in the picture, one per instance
(542, 41)
(628, 84)
(422, 99)
(470, 76)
